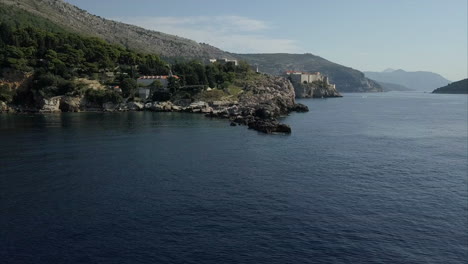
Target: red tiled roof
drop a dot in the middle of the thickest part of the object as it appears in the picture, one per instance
(157, 77)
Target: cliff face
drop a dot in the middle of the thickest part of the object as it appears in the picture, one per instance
(261, 102)
(270, 97)
(312, 90)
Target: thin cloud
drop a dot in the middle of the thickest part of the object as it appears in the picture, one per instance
(230, 33)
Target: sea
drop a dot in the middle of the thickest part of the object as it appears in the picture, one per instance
(367, 178)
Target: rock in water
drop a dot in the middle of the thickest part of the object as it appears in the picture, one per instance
(300, 108)
(135, 106)
(261, 102)
(269, 126)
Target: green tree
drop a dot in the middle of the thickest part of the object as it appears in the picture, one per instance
(6, 94)
(243, 67)
(156, 85)
(129, 87)
(102, 96)
(173, 84)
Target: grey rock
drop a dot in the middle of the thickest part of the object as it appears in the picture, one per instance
(135, 106)
(70, 104)
(300, 108)
(50, 105)
(269, 126)
(4, 107)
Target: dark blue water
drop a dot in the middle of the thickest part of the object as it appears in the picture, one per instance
(368, 178)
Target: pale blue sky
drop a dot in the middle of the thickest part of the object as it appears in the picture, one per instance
(429, 35)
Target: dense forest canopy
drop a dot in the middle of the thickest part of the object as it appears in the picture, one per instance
(56, 58)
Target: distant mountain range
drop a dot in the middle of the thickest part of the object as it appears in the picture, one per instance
(172, 48)
(460, 87)
(419, 80)
(388, 87)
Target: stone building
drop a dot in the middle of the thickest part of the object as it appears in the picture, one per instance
(224, 61)
(304, 77)
(311, 85)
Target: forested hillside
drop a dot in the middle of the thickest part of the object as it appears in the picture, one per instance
(174, 48)
(56, 59)
(76, 20)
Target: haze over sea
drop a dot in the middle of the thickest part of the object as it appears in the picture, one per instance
(367, 178)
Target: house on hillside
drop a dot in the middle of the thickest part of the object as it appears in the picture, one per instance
(147, 81)
(146, 85)
(144, 93)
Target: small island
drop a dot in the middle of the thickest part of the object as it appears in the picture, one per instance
(460, 87)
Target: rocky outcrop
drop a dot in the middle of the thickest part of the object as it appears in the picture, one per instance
(70, 104)
(135, 106)
(259, 106)
(269, 97)
(4, 108)
(59, 104)
(110, 107)
(270, 126)
(261, 103)
(199, 107)
(300, 108)
(168, 106)
(312, 90)
(50, 105)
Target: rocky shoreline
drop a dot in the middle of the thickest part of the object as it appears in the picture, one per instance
(258, 107)
(260, 119)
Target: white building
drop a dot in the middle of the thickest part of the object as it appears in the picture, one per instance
(224, 61)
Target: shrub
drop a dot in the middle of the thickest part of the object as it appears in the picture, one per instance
(6, 94)
(161, 96)
(102, 96)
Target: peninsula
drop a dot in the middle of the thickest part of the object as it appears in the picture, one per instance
(48, 68)
(460, 87)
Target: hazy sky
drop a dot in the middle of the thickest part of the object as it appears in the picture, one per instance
(368, 35)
